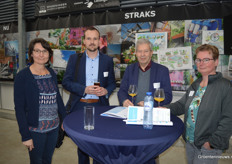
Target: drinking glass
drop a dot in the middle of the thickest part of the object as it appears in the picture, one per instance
(97, 82)
(132, 91)
(89, 117)
(159, 95)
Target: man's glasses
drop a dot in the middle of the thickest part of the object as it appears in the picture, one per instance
(44, 52)
(205, 60)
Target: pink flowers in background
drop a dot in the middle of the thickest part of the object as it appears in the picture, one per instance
(177, 78)
(75, 35)
(103, 44)
(181, 80)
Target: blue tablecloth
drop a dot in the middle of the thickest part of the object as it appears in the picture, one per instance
(112, 141)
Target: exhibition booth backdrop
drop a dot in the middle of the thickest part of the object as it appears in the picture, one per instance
(175, 32)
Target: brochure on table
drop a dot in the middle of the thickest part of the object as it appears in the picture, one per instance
(134, 115)
(117, 112)
(161, 116)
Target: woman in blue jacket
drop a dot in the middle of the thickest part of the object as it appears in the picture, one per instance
(37, 103)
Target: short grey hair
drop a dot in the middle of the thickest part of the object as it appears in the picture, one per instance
(143, 41)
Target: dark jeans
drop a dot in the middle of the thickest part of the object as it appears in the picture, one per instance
(83, 158)
(44, 146)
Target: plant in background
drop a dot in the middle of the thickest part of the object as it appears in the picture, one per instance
(60, 76)
(129, 55)
(62, 38)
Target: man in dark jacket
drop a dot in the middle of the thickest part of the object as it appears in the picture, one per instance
(93, 65)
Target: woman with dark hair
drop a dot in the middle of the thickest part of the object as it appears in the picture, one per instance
(37, 103)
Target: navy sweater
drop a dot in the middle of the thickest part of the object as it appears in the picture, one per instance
(26, 100)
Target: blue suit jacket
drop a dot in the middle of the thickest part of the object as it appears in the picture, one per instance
(158, 74)
(77, 88)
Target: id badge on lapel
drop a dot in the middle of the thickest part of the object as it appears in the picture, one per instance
(105, 74)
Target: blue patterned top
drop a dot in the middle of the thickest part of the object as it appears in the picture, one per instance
(192, 114)
(48, 108)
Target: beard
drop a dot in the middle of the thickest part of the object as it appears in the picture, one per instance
(92, 49)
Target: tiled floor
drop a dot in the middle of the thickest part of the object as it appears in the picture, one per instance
(13, 152)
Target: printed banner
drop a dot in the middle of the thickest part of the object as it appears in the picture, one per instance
(215, 38)
(60, 57)
(55, 7)
(145, 14)
(158, 39)
(11, 48)
(8, 28)
(176, 58)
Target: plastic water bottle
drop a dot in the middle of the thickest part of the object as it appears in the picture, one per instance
(148, 111)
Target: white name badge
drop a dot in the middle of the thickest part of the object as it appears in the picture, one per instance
(191, 93)
(105, 74)
(156, 85)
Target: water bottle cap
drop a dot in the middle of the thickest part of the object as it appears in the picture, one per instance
(149, 93)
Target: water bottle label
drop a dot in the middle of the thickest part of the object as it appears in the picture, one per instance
(148, 106)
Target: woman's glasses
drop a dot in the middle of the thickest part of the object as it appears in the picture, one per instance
(205, 60)
(37, 52)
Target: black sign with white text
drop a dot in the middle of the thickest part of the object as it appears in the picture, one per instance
(8, 28)
(146, 14)
(68, 6)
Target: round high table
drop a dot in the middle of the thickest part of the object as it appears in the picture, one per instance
(114, 142)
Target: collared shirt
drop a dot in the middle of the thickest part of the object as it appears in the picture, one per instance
(91, 73)
(147, 67)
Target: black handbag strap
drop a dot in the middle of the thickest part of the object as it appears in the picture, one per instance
(77, 66)
(74, 80)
